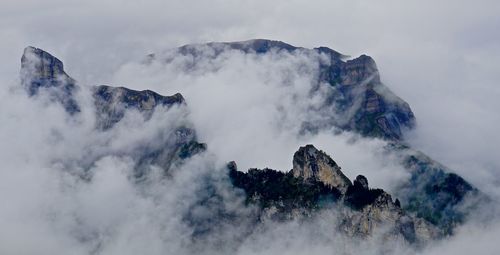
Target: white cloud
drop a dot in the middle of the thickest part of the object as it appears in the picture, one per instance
(440, 57)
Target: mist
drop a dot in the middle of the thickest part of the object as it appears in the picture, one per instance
(442, 58)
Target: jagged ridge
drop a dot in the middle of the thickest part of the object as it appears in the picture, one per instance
(303, 191)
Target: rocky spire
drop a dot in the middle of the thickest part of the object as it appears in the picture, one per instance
(309, 162)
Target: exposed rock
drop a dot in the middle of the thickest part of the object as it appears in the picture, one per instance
(361, 181)
(359, 70)
(311, 163)
(112, 102)
(42, 72)
(359, 195)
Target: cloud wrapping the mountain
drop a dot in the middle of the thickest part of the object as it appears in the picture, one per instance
(442, 61)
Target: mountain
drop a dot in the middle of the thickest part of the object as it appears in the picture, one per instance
(429, 205)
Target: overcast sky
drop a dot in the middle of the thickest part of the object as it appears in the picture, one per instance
(442, 57)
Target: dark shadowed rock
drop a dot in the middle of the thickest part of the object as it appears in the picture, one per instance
(359, 70)
(433, 192)
(361, 181)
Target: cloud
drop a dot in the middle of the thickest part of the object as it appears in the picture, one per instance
(440, 57)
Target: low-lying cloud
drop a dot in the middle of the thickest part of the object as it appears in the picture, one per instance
(247, 109)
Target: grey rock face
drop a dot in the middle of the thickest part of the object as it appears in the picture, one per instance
(359, 70)
(42, 72)
(309, 162)
(112, 102)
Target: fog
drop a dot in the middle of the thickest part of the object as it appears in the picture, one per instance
(442, 58)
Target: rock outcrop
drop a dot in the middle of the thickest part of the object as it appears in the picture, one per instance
(311, 163)
(44, 73)
(303, 191)
(112, 103)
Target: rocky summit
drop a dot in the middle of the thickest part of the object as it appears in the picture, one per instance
(44, 73)
(309, 163)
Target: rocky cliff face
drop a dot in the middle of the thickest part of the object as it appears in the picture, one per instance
(43, 73)
(310, 163)
(113, 102)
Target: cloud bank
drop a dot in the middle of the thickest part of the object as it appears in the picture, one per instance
(442, 60)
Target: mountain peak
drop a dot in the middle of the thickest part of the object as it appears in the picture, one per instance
(42, 71)
(40, 66)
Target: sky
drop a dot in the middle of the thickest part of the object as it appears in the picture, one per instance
(443, 58)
